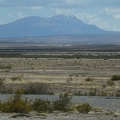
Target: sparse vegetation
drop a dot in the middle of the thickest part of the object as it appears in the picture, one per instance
(118, 93)
(2, 85)
(4, 66)
(110, 83)
(1, 106)
(30, 88)
(64, 103)
(16, 78)
(102, 93)
(79, 93)
(89, 79)
(84, 108)
(69, 79)
(92, 92)
(37, 88)
(40, 105)
(16, 104)
(50, 70)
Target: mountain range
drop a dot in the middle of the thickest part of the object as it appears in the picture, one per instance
(56, 25)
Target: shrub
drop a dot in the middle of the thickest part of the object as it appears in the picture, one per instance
(93, 92)
(110, 83)
(103, 93)
(1, 106)
(16, 78)
(37, 88)
(115, 77)
(89, 79)
(78, 93)
(118, 93)
(16, 104)
(5, 66)
(64, 103)
(84, 108)
(2, 85)
(30, 89)
(40, 105)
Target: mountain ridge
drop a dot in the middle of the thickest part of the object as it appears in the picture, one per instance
(42, 26)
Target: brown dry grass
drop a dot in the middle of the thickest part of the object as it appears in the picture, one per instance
(63, 74)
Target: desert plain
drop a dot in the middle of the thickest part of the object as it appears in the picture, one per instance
(78, 70)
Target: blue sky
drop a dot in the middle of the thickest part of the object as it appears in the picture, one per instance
(104, 14)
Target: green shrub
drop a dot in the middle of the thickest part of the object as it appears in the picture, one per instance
(40, 105)
(64, 103)
(84, 108)
(16, 104)
(115, 77)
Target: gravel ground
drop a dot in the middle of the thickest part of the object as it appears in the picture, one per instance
(62, 116)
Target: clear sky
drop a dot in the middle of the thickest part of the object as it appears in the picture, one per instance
(104, 14)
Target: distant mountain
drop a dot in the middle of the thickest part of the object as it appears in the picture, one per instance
(40, 26)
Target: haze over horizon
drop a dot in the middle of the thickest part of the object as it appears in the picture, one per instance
(103, 14)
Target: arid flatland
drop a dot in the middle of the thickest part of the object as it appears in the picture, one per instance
(63, 70)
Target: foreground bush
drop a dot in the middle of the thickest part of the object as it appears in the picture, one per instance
(84, 108)
(64, 103)
(40, 105)
(16, 104)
